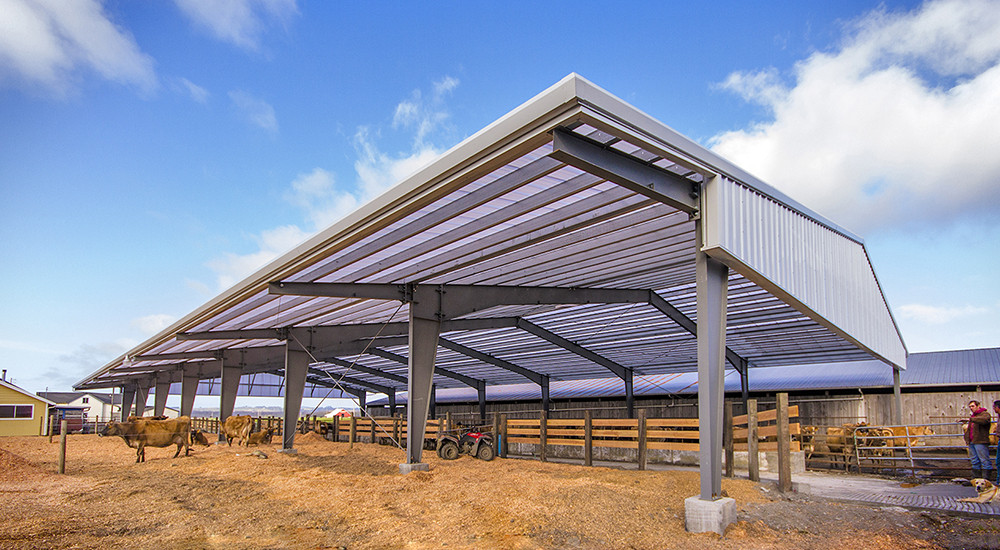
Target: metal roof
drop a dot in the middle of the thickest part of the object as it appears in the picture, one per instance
(934, 369)
(574, 190)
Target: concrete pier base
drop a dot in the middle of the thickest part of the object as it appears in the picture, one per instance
(416, 467)
(703, 516)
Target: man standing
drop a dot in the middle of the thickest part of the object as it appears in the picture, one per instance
(977, 437)
(996, 432)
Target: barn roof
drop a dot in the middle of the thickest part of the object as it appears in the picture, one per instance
(570, 223)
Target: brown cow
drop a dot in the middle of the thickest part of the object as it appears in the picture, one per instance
(238, 428)
(913, 438)
(841, 440)
(198, 436)
(155, 433)
(808, 440)
(264, 437)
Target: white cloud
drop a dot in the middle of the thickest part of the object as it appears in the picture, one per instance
(424, 115)
(323, 201)
(48, 43)
(232, 268)
(33, 347)
(317, 195)
(239, 22)
(255, 111)
(193, 90)
(898, 126)
(152, 324)
(934, 315)
(377, 171)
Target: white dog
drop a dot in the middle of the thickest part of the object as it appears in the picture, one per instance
(987, 492)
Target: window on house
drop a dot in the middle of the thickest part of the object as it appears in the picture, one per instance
(17, 411)
(86, 400)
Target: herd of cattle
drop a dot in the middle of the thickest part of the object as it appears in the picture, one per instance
(875, 441)
(160, 431)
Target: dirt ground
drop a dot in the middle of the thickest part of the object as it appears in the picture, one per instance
(332, 496)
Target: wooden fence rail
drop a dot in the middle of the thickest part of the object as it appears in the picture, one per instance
(640, 434)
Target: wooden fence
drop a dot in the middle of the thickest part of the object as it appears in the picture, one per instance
(639, 434)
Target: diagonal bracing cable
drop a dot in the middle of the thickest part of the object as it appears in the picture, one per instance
(337, 382)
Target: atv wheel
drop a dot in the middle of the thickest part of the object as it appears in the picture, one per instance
(448, 450)
(485, 452)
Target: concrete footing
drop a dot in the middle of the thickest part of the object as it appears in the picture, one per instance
(703, 516)
(418, 467)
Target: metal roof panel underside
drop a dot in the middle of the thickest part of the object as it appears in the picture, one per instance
(503, 209)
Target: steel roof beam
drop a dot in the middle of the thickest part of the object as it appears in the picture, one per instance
(352, 381)
(362, 368)
(665, 307)
(467, 380)
(320, 335)
(452, 300)
(535, 377)
(622, 372)
(612, 165)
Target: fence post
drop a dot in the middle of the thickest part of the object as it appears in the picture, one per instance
(354, 430)
(395, 430)
(62, 446)
(588, 439)
(753, 441)
(336, 429)
(372, 419)
(784, 446)
(727, 437)
(496, 434)
(52, 426)
(543, 422)
(503, 436)
(641, 439)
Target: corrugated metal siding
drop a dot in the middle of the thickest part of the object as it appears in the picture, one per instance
(824, 270)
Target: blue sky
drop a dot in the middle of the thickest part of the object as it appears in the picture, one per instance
(154, 153)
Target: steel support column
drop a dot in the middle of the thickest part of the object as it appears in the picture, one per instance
(425, 329)
(711, 277)
(629, 395)
(545, 393)
(141, 393)
(227, 392)
(189, 389)
(128, 398)
(296, 369)
(481, 390)
(392, 403)
(745, 381)
(897, 398)
(160, 392)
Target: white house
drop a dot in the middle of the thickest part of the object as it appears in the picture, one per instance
(100, 406)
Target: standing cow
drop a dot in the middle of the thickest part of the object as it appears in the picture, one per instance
(238, 428)
(155, 433)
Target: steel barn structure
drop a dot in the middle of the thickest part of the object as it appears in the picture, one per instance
(574, 238)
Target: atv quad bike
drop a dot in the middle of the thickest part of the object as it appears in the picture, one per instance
(474, 442)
